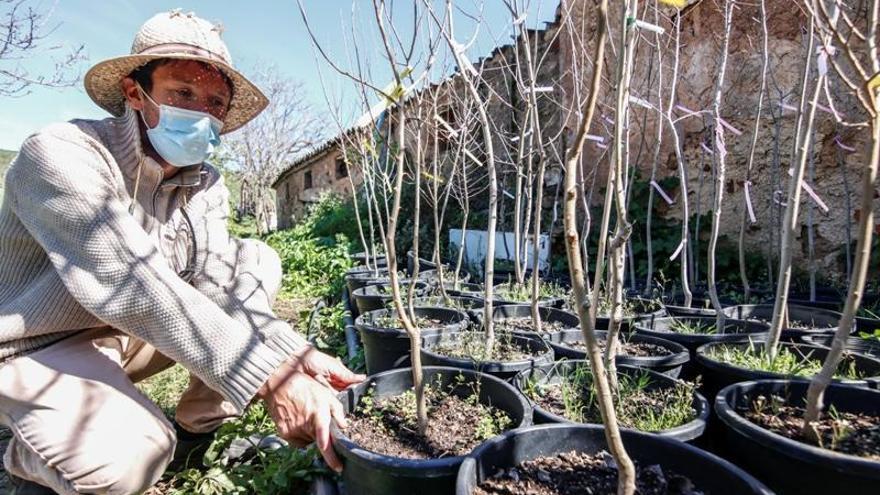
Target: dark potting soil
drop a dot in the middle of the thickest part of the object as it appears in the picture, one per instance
(525, 324)
(848, 433)
(634, 349)
(455, 425)
(473, 346)
(574, 473)
(420, 322)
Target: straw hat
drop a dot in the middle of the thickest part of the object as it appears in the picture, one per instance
(178, 36)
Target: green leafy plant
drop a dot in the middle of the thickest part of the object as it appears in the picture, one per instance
(270, 472)
(693, 327)
(788, 361)
(638, 404)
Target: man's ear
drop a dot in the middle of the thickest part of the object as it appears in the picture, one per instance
(132, 94)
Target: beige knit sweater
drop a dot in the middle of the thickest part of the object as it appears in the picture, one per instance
(90, 235)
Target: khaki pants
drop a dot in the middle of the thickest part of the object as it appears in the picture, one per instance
(81, 426)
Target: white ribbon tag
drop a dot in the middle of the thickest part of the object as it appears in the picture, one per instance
(677, 251)
(749, 208)
(660, 190)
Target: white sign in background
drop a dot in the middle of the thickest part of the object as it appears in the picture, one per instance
(475, 247)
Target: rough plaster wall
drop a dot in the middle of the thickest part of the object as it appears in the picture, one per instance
(700, 53)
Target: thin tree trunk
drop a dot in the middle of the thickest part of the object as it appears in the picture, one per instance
(865, 232)
(765, 52)
(791, 210)
(682, 170)
(587, 310)
(721, 155)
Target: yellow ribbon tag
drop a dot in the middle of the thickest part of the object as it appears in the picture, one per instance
(874, 82)
(679, 4)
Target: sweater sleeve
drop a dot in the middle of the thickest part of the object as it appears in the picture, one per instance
(66, 198)
(240, 276)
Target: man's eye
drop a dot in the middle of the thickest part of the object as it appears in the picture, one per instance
(184, 92)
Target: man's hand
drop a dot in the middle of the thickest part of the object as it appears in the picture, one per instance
(325, 369)
(303, 409)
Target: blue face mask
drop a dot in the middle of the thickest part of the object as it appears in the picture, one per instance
(183, 137)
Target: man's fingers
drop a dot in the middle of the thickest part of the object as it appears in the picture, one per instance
(299, 440)
(338, 413)
(343, 377)
(322, 439)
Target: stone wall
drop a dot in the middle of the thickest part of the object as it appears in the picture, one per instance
(837, 173)
(293, 197)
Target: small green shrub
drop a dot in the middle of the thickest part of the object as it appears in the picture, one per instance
(314, 257)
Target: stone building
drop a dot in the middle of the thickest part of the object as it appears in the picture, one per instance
(321, 170)
(839, 151)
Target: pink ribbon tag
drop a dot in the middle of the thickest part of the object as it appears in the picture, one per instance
(707, 149)
(677, 251)
(608, 119)
(601, 145)
(593, 137)
(687, 111)
(842, 146)
(777, 195)
(809, 190)
(824, 108)
(749, 208)
(730, 128)
(660, 190)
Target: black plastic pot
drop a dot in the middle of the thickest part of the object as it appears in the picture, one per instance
(676, 310)
(477, 291)
(360, 258)
(555, 372)
(669, 365)
(423, 263)
(369, 473)
(389, 348)
(541, 354)
(787, 465)
(547, 314)
(362, 277)
(709, 473)
(643, 309)
(858, 345)
(734, 330)
(378, 296)
(717, 374)
(473, 307)
(816, 320)
(867, 325)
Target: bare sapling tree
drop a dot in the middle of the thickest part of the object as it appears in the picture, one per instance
(720, 152)
(534, 126)
(806, 117)
(471, 79)
(286, 128)
(860, 72)
(400, 145)
(586, 304)
(617, 248)
(25, 29)
(658, 141)
(683, 246)
(745, 217)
